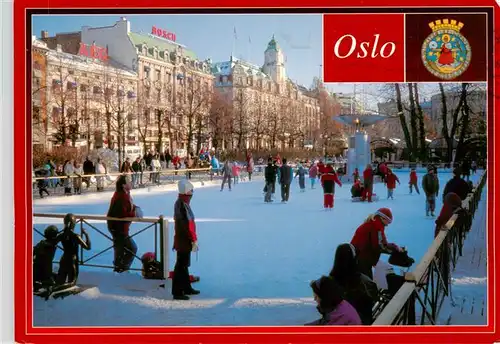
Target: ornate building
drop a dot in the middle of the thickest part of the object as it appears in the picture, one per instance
(173, 86)
(80, 100)
(268, 110)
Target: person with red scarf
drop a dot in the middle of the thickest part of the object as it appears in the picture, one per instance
(122, 206)
(370, 241)
(328, 180)
(367, 183)
(413, 181)
(390, 181)
(185, 242)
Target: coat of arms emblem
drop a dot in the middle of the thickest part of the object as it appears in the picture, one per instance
(446, 53)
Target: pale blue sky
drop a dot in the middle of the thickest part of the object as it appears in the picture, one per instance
(300, 37)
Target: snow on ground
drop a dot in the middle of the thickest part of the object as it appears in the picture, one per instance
(255, 260)
(467, 305)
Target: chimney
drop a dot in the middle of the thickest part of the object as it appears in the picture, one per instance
(44, 34)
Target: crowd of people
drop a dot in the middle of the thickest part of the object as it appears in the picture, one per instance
(345, 296)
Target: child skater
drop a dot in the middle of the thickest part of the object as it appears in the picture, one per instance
(390, 181)
(413, 181)
(328, 180)
(313, 174)
(301, 172)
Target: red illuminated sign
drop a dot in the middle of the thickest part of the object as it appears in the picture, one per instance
(94, 52)
(163, 33)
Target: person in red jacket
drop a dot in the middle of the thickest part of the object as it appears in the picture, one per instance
(122, 206)
(185, 241)
(370, 241)
(367, 183)
(413, 181)
(390, 181)
(452, 204)
(328, 180)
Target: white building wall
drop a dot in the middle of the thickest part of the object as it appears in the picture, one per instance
(116, 39)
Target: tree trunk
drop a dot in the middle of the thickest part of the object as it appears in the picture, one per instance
(421, 130)
(159, 143)
(460, 154)
(403, 121)
(413, 123)
(108, 129)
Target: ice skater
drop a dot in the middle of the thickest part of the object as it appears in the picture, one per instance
(313, 174)
(68, 265)
(430, 184)
(413, 181)
(227, 171)
(328, 180)
(390, 181)
(301, 173)
(185, 242)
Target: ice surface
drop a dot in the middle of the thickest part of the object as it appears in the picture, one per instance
(255, 260)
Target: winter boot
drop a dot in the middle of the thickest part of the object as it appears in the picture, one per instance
(181, 297)
(192, 292)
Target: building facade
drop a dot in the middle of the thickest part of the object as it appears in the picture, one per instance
(268, 110)
(174, 87)
(81, 101)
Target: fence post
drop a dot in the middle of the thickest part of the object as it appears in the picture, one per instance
(164, 251)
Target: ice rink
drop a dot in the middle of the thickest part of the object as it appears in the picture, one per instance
(255, 259)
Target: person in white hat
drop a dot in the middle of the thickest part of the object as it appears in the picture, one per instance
(185, 241)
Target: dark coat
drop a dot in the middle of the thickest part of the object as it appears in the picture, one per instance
(136, 166)
(270, 173)
(88, 167)
(430, 184)
(121, 206)
(185, 226)
(286, 174)
(457, 185)
(362, 293)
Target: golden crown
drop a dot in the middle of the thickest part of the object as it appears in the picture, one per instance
(446, 24)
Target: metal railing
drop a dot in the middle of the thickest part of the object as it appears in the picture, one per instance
(158, 225)
(107, 181)
(429, 283)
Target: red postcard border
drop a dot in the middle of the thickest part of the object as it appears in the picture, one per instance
(25, 332)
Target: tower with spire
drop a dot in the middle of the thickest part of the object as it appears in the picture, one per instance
(274, 62)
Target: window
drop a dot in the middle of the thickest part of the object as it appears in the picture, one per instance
(37, 82)
(71, 71)
(83, 88)
(84, 75)
(158, 75)
(168, 77)
(56, 112)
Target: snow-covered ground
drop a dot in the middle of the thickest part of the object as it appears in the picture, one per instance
(467, 304)
(255, 260)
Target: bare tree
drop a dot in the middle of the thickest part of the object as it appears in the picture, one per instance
(402, 118)
(449, 135)
(219, 118)
(195, 107)
(258, 123)
(241, 116)
(421, 124)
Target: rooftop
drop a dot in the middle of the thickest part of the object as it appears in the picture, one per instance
(161, 44)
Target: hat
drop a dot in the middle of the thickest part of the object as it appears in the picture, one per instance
(185, 187)
(147, 257)
(385, 214)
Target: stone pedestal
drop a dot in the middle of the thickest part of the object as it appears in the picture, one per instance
(358, 154)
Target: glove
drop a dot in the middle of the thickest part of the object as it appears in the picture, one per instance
(195, 246)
